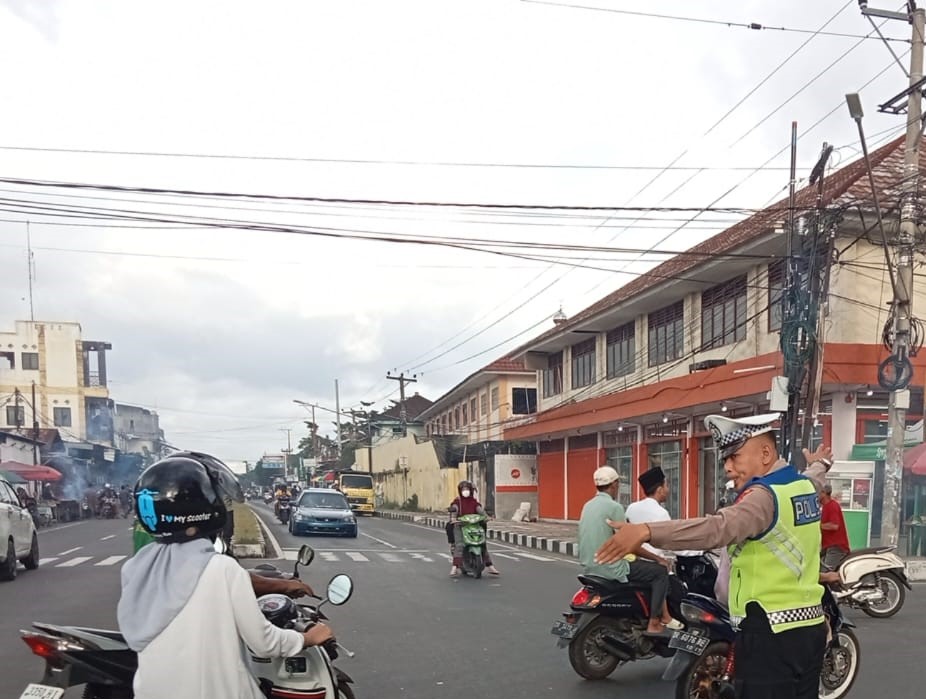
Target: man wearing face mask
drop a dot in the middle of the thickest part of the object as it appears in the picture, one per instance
(465, 504)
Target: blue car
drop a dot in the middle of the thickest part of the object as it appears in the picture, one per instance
(322, 511)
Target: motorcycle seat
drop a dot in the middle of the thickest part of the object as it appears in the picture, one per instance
(609, 585)
(873, 549)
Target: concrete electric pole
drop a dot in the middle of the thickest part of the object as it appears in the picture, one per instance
(402, 379)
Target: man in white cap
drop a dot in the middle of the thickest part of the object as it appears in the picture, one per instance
(594, 531)
(772, 532)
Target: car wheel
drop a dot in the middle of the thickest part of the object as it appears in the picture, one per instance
(8, 569)
(32, 560)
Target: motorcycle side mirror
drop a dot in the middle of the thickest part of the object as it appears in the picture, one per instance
(340, 589)
(306, 555)
(219, 545)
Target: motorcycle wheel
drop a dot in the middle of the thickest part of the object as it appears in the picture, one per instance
(474, 563)
(96, 691)
(894, 595)
(698, 680)
(586, 655)
(345, 692)
(840, 666)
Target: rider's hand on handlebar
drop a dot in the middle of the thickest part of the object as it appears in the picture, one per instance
(297, 588)
(317, 635)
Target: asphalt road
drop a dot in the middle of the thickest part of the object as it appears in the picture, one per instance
(416, 632)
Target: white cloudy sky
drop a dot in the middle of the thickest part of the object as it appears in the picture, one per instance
(220, 329)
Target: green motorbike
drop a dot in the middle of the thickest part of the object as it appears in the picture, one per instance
(473, 535)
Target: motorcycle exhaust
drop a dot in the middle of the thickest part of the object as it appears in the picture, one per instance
(619, 649)
(865, 596)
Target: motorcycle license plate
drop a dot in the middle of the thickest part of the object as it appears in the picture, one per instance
(692, 641)
(42, 691)
(563, 629)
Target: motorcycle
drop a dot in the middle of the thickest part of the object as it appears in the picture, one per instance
(704, 663)
(872, 580)
(108, 507)
(469, 527)
(606, 623)
(284, 507)
(103, 662)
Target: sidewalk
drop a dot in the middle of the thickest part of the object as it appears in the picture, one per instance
(557, 538)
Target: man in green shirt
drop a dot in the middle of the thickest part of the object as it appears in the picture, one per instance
(594, 531)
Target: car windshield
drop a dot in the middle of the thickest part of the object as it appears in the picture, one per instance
(356, 482)
(325, 501)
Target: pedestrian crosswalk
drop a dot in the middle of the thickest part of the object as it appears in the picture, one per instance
(64, 561)
(404, 556)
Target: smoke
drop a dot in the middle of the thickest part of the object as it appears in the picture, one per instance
(75, 478)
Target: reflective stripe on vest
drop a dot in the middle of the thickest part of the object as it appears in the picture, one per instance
(780, 569)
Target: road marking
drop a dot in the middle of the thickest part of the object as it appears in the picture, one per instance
(112, 560)
(421, 557)
(62, 526)
(111, 536)
(504, 555)
(46, 561)
(328, 556)
(65, 553)
(384, 543)
(356, 556)
(532, 556)
(390, 557)
(446, 555)
(74, 562)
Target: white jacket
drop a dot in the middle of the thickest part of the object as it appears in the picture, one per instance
(202, 654)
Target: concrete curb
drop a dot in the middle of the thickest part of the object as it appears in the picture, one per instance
(916, 569)
(540, 543)
(258, 550)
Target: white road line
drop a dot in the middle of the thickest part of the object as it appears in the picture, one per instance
(62, 526)
(532, 556)
(46, 561)
(111, 536)
(380, 541)
(421, 557)
(65, 553)
(112, 560)
(446, 555)
(356, 556)
(390, 557)
(328, 556)
(74, 562)
(504, 555)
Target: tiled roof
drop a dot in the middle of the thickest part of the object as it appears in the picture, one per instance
(503, 365)
(414, 406)
(844, 186)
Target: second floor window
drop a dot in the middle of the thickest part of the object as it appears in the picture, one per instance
(776, 288)
(523, 401)
(723, 314)
(472, 410)
(495, 398)
(15, 415)
(484, 403)
(465, 416)
(583, 363)
(31, 361)
(666, 334)
(620, 351)
(553, 375)
(63, 417)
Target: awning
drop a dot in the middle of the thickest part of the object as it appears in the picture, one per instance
(914, 460)
(12, 478)
(329, 476)
(30, 472)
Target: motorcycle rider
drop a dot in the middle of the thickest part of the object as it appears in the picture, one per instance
(179, 594)
(466, 504)
(594, 532)
(773, 535)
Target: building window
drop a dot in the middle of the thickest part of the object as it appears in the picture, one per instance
(10, 358)
(583, 363)
(495, 398)
(465, 416)
(553, 375)
(31, 361)
(472, 410)
(621, 460)
(666, 334)
(15, 415)
(523, 401)
(723, 314)
(456, 418)
(875, 431)
(62, 417)
(668, 457)
(620, 351)
(776, 288)
(713, 477)
(484, 403)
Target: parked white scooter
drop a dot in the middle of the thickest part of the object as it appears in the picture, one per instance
(873, 580)
(311, 674)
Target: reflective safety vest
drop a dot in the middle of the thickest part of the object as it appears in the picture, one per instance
(780, 568)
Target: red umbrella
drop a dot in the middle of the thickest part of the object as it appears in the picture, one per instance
(30, 472)
(914, 460)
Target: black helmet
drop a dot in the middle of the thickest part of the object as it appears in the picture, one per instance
(184, 491)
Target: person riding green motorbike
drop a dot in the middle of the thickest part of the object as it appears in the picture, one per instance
(465, 504)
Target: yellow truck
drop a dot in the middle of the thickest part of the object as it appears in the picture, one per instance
(358, 489)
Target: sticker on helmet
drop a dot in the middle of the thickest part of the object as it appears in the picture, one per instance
(146, 513)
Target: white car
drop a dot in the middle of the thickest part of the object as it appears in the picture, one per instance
(18, 541)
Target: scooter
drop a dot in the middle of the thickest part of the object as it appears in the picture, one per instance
(704, 664)
(284, 507)
(103, 662)
(872, 580)
(474, 543)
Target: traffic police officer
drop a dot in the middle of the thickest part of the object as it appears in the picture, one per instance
(772, 533)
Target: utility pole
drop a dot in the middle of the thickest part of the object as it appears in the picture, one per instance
(315, 438)
(896, 372)
(337, 407)
(289, 450)
(35, 430)
(402, 379)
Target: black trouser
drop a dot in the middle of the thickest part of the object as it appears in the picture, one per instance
(832, 556)
(643, 572)
(784, 665)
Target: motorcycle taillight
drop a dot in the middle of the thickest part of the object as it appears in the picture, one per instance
(46, 647)
(581, 598)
